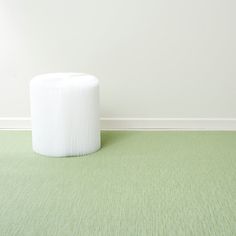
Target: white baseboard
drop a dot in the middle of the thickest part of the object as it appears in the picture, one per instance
(15, 123)
(140, 123)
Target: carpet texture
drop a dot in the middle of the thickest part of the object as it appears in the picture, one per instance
(139, 183)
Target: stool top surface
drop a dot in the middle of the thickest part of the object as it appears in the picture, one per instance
(64, 80)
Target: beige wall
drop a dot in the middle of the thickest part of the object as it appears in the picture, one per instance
(154, 58)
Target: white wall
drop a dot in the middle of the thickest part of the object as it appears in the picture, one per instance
(154, 58)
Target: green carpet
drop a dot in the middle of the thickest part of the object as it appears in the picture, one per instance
(139, 183)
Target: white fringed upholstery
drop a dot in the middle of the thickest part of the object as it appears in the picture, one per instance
(65, 114)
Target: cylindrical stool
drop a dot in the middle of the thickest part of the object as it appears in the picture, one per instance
(65, 114)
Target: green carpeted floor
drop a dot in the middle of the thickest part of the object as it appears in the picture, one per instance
(139, 183)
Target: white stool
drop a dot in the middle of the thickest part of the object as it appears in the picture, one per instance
(65, 114)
